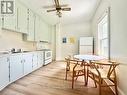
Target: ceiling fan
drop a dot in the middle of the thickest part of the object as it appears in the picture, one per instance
(58, 8)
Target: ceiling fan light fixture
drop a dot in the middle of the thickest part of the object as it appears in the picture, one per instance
(59, 13)
(59, 8)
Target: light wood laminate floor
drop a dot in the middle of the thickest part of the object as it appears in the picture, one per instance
(50, 80)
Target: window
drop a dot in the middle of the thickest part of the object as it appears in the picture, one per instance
(103, 37)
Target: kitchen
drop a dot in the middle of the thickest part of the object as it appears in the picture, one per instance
(35, 42)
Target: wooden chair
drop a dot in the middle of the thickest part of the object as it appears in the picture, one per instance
(76, 68)
(103, 73)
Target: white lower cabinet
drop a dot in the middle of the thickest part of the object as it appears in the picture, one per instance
(35, 61)
(16, 67)
(4, 72)
(27, 63)
(40, 59)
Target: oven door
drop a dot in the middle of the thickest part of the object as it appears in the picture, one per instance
(48, 55)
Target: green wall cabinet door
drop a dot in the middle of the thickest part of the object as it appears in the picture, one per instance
(22, 18)
(10, 20)
(45, 31)
(37, 29)
(31, 26)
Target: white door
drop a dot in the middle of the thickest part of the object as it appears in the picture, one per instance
(4, 72)
(27, 62)
(16, 67)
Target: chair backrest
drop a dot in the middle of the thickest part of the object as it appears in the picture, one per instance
(76, 62)
(107, 66)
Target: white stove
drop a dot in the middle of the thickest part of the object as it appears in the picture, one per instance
(47, 57)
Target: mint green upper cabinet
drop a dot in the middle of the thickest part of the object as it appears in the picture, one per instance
(10, 21)
(31, 26)
(37, 29)
(49, 33)
(22, 18)
(45, 32)
(18, 21)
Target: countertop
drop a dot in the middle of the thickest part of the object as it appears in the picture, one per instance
(6, 53)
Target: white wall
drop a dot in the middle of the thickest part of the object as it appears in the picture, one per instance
(118, 36)
(53, 42)
(74, 30)
(58, 41)
(10, 39)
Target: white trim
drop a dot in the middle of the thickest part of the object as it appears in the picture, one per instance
(121, 60)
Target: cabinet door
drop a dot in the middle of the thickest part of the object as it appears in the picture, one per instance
(40, 59)
(27, 60)
(22, 18)
(37, 29)
(31, 26)
(35, 61)
(45, 31)
(16, 67)
(4, 72)
(10, 21)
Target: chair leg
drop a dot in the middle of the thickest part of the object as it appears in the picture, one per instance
(87, 74)
(95, 81)
(85, 79)
(73, 81)
(100, 88)
(77, 76)
(116, 90)
(66, 75)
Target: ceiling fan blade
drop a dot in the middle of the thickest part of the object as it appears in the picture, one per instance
(51, 10)
(66, 9)
(52, 6)
(64, 5)
(57, 3)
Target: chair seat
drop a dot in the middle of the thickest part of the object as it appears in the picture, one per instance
(102, 72)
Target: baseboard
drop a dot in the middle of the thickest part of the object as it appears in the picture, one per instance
(120, 92)
(113, 90)
(59, 60)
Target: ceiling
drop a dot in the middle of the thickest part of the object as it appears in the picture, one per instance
(81, 10)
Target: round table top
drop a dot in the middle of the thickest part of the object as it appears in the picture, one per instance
(89, 57)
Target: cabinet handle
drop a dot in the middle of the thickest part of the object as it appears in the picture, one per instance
(7, 59)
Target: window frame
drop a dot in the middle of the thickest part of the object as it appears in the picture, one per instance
(101, 39)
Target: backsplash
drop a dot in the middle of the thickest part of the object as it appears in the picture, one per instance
(41, 45)
(10, 39)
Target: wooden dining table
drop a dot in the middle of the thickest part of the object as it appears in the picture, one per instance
(88, 59)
